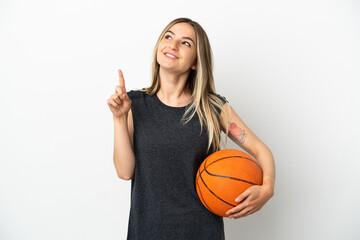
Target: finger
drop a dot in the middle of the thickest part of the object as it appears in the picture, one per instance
(237, 209)
(243, 213)
(243, 196)
(119, 91)
(113, 109)
(116, 98)
(240, 210)
(121, 80)
(112, 103)
(249, 213)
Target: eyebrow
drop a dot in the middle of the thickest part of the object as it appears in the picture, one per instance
(183, 37)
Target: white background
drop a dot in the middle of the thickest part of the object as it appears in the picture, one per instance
(290, 69)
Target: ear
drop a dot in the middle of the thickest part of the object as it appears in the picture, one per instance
(193, 67)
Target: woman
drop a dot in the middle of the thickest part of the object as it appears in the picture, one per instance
(170, 128)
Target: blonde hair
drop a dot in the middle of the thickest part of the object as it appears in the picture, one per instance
(200, 83)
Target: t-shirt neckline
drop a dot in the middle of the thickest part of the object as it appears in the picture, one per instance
(167, 106)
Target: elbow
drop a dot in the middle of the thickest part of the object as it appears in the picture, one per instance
(125, 177)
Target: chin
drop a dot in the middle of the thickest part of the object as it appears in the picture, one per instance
(167, 68)
(166, 65)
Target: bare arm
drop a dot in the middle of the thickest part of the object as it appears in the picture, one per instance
(124, 158)
(120, 105)
(254, 198)
(247, 140)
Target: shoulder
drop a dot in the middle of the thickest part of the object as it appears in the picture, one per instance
(217, 101)
(219, 96)
(136, 94)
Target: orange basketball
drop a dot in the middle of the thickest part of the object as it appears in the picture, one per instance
(223, 176)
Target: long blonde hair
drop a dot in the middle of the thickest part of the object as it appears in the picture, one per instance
(200, 83)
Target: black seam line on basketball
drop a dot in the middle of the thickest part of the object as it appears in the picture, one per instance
(215, 194)
(235, 157)
(205, 166)
(238, 179)
(197, 183)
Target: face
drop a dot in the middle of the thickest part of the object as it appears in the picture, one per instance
(177, 49)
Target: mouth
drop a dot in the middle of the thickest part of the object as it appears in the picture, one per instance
(170, 55)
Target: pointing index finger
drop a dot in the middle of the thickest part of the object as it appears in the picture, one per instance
(121, 79)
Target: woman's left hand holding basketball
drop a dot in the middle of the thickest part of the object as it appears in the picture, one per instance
(251, 200)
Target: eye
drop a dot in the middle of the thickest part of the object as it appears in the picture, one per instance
(187, 43)
(167, 36)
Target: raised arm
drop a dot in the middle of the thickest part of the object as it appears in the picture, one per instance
(120, 105)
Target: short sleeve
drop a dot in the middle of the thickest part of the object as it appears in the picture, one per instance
(131, 94)
(222, 98)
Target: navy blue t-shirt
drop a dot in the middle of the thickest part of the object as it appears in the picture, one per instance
(164, 202)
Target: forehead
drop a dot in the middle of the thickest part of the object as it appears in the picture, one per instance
(184, 30)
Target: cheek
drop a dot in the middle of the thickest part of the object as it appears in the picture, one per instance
(158, 50)
(193, 57)
(158, 59)
(158, 53)
(160, 47)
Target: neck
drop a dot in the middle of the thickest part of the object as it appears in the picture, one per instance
(172, 88)
(172, 85)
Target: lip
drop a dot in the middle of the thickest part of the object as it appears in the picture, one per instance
(176, 57)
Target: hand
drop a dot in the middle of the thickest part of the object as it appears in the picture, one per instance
(119, 103)
(251, 200)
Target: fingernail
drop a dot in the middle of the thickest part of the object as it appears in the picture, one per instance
(237, 200)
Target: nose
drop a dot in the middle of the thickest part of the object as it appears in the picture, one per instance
(173, 45)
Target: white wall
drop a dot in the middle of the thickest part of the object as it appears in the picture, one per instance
(290, 69)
